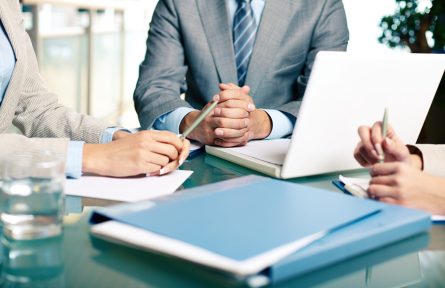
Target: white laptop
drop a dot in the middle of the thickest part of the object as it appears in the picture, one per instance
(345, 91)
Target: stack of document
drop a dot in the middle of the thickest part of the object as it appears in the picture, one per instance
(246, 225)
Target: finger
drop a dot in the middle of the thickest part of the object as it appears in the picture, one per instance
(235, 113)
(157, 159)
(165, 149)
(239, 104)
(150, 169)
(167, 138)
(170, 167)
(382, 191)
(184, 152)
(239, 94)
(365, 155)
(238, 124)
(377, 139)
(388, 180)
(228, 86)
(365, 136)
(382, 169)
(232, 134)
(388, 200)
(358, 156)
(399, 151)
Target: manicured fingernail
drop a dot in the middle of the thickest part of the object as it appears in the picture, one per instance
(181, 161)
(251, 107)
(164, 170)
(217, 111)
(379, 149)
(219, 132)
(216, 97)
(152, 174)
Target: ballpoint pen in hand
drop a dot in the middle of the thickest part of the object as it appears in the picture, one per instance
(384, 133)
(198, 120)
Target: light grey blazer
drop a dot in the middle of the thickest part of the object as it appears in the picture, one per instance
(189, 49)
(30, 106)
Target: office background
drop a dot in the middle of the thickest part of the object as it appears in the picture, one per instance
(89, 51)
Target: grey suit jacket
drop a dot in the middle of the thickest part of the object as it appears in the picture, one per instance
(433, 159)
(189, 49)
(29, 106)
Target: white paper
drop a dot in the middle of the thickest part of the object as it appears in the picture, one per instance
(271, 151)
(356, 186)
(438, 218)
(194, 145)
(126, 189)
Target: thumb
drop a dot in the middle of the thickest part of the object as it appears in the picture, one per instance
(397, 150)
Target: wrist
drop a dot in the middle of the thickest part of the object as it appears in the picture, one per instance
(187, 121)
(415, 157)
(89, 164)
(262, 124)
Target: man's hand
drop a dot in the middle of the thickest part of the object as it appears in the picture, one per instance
(402, 184)
(234, 105)
(366, 152)
(146, 152)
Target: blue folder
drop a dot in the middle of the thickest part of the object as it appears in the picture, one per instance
(246, 217)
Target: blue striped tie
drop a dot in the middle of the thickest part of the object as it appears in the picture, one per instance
(244, 31)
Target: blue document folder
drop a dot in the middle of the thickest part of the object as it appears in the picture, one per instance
(246, 225)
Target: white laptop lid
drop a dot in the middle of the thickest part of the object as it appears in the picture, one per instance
(346, 91)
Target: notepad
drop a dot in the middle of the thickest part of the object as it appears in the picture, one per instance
(359, 187)
(126, 189)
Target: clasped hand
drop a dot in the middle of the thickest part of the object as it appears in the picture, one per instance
(234, 122)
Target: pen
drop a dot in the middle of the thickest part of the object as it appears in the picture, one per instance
(198, 120)
(384, 133)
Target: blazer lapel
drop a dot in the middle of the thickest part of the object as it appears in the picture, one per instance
(274, 21)
(214, 19)
(7, 108)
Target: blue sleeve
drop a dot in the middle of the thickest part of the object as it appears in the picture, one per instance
(282, 124)
(170, 121)
(73, 165)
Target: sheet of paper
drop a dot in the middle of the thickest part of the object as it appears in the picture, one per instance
(194, 145)
(272, 151)
(438, 218)
(126, 189)
(356, 186)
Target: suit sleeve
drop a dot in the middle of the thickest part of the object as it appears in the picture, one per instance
(330, 34)
(162, 73)
(433, 159)
(39, 114)
(13, 142)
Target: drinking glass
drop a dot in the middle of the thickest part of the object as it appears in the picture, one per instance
(32, 195)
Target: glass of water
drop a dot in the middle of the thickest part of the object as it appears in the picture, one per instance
(32, 195)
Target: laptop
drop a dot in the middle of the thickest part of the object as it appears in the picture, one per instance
(345, 91)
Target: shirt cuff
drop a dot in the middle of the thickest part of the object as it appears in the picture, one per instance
(73, 165)
(282, 124)
(172, 120)
(107, 135)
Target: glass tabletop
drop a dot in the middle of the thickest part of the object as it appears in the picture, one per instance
(77, 259)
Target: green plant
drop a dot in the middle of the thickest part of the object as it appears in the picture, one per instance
(410, 27)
